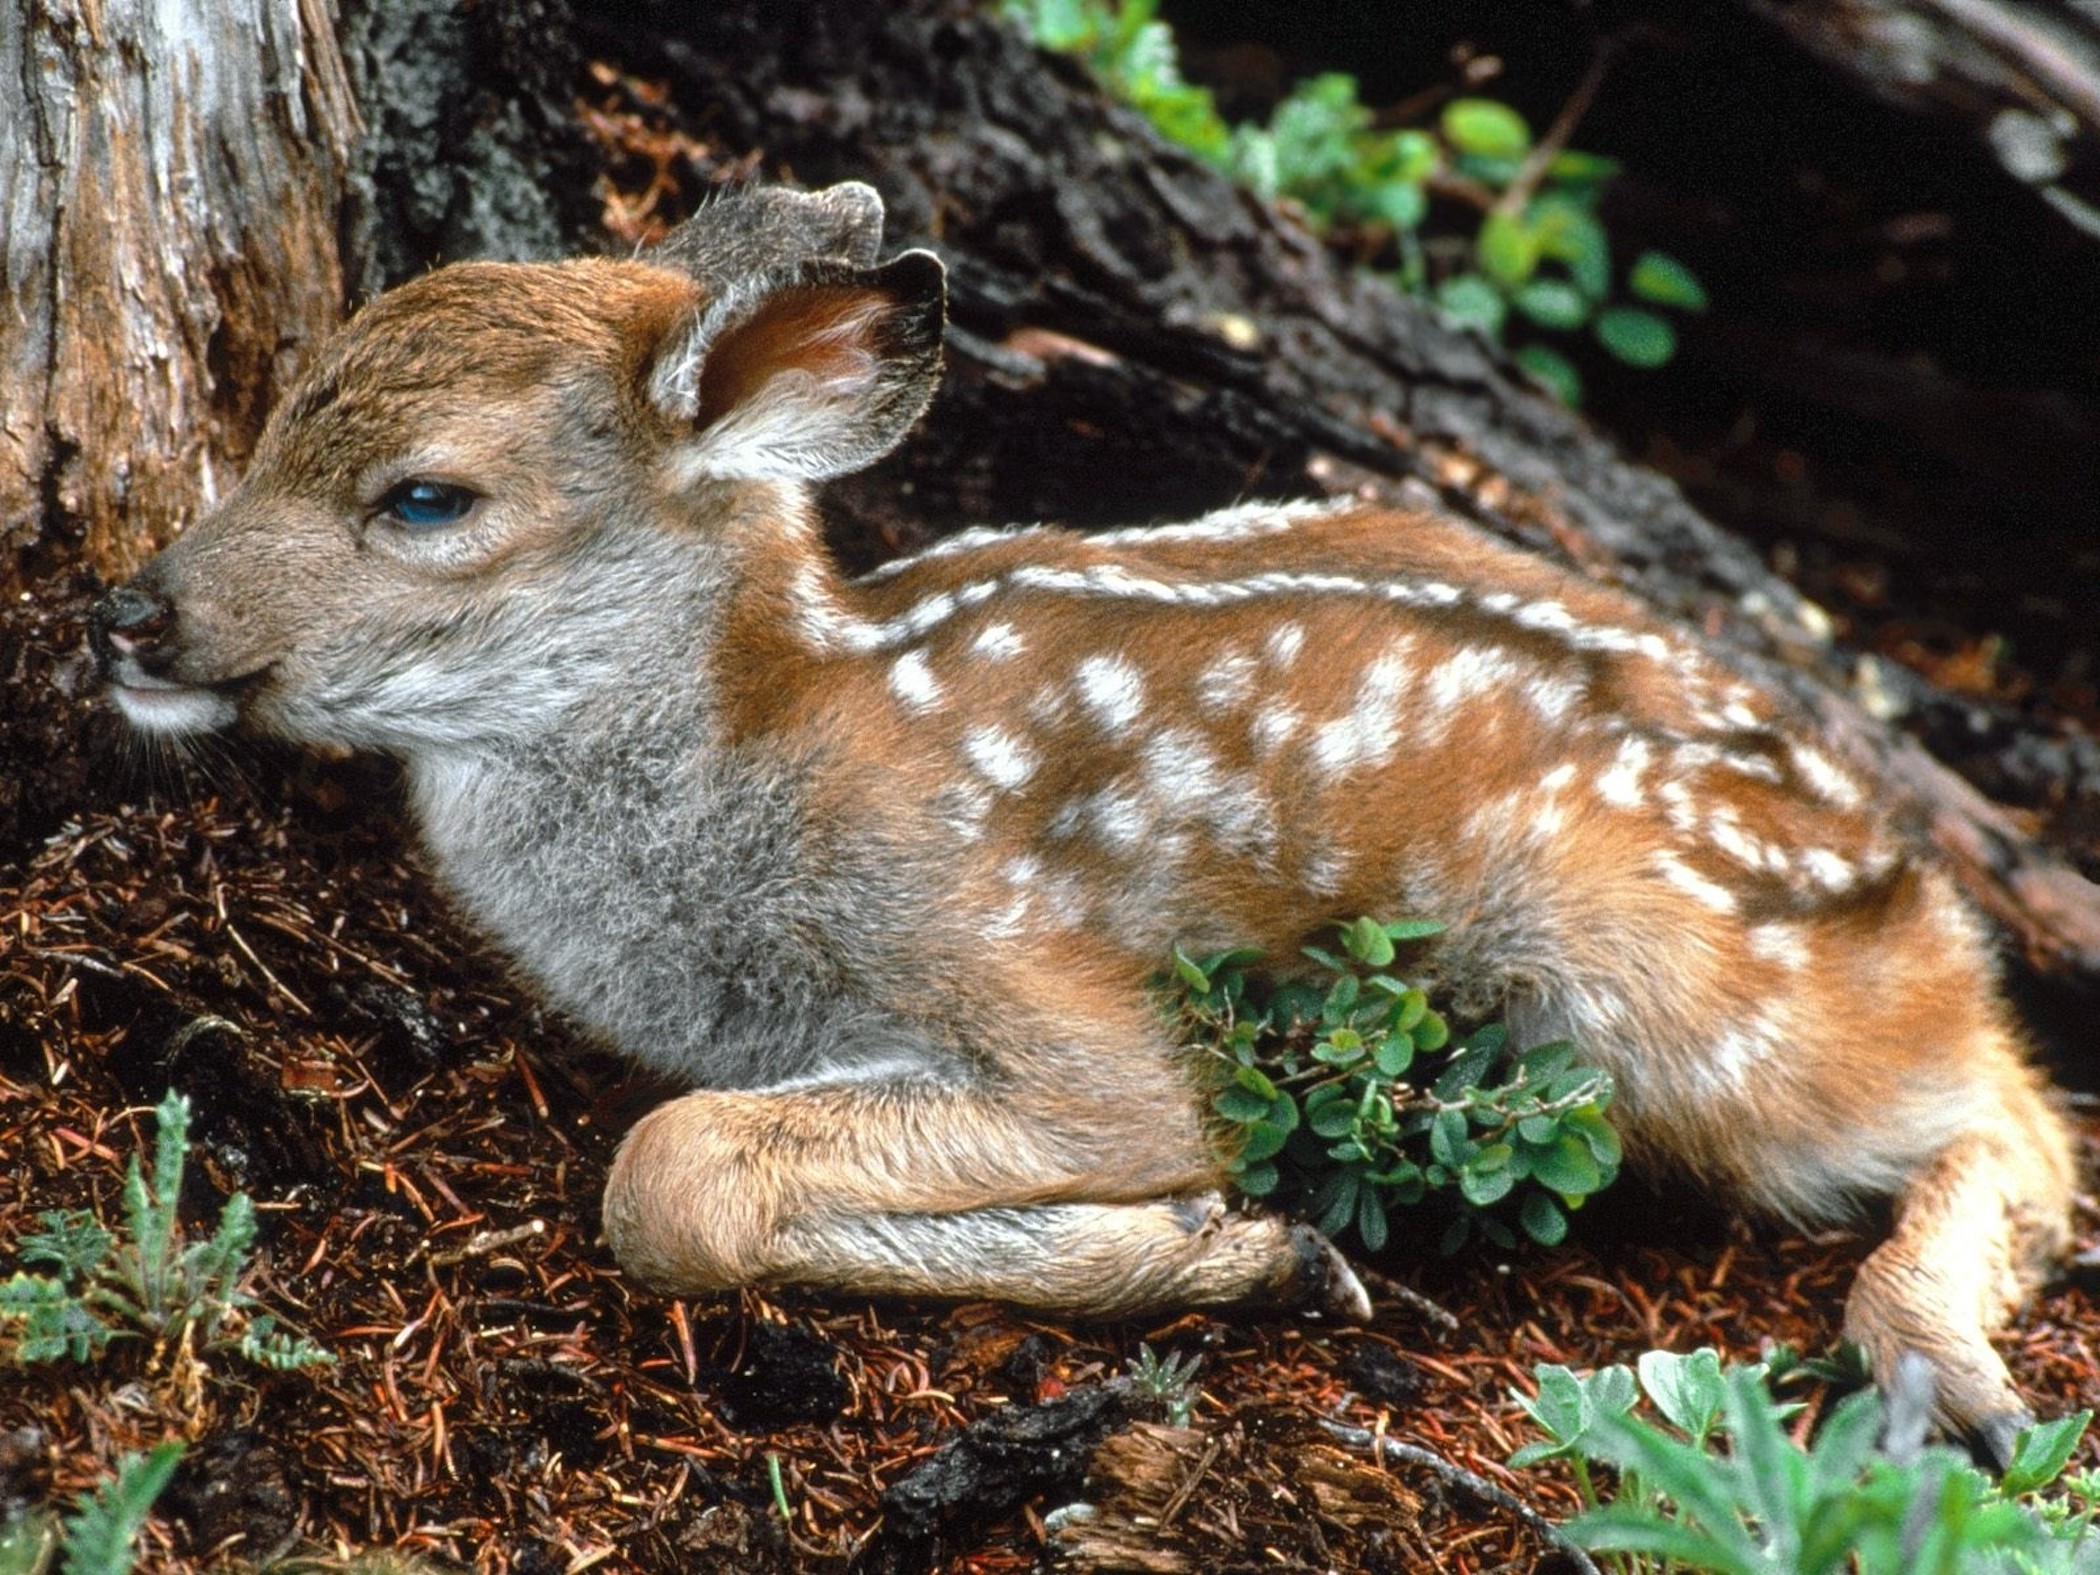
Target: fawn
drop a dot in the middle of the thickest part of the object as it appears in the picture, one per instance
(881, 867)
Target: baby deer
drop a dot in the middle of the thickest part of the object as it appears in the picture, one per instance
(881, 867)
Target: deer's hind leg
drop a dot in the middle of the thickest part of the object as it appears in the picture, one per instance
(913, 1189)
(1975, 1231)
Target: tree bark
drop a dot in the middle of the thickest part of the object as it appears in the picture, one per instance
(171, 179)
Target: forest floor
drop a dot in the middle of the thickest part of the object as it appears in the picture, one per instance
(426, 1151)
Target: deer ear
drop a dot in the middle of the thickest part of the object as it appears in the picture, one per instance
(804, 376)
(756, 228)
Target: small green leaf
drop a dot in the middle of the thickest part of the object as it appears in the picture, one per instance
(1542, 1219)
(1188, 971)
(101, 1534)
(1334, 1120)
(1601, 1136)
(1542, 1130)
(1257, 1180)
(1341, 1193)
(1473, 302)
(1554, 370)
(1567, 1167)
(1484, 127)
(1507, 249)
(1482, 1188)
(1415, 929)
(1554, 303)
(1661, 278)
(1569, 233)
(2042, 1452)
(1432, 1032)
(1395, 1054)
(1255, 1081)
(1370, 1220)
(1636, 337)
(1264, 1140)
(1400, 203)
(1240, 1104)
(1688, 1390)
(1448, 1140)
(1367, 942)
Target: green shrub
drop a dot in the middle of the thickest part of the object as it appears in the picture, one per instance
(1716, 1482)
(1321, 1110)
(146, 1280)
(1518, 248)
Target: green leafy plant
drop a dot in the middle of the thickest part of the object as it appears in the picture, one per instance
(145, 1280)
(100, 1536)
(1329, 1107)
(1499, 228)
(1168, 1382)
(1715, 1481)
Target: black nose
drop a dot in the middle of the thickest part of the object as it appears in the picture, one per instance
(132, 620)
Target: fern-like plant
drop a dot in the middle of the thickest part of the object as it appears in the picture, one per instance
(146, 1280)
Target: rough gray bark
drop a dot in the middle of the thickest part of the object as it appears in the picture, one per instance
(168, 183)
(2022, 76)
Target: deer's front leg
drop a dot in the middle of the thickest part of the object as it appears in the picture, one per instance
(909, 1189)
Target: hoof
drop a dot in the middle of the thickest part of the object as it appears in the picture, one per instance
(1330, 1284)
(1993, 1439)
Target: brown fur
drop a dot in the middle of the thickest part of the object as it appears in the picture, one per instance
(1045, 759)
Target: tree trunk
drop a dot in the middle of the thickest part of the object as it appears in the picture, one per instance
(172, 174)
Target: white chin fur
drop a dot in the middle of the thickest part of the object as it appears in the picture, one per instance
(174, 711)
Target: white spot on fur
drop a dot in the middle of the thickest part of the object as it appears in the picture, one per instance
(1552, 697)
(1781, 943)
(998, 642)
(1824, 778)
(1022, 871)
(1678, 807)
(1284, 643)
(999, 757)
(1559, 777)
(1739, 1055)
(1620, 785)
(1832, 871)
(1689, 881)
(912, 681)
(1370, 732)
(1470, 672)
(1178, 767)
(1047, 705)
(1273, 728)
(1227, 683)
(1326, 867)
(1120, 818)
(1113, 692)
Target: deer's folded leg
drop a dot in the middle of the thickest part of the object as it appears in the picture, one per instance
(913, 1191)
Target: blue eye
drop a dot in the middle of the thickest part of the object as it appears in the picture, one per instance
(425, 505)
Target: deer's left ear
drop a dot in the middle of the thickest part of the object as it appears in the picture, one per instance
(800, 377)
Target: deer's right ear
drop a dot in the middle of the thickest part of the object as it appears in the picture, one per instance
(804, 376)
